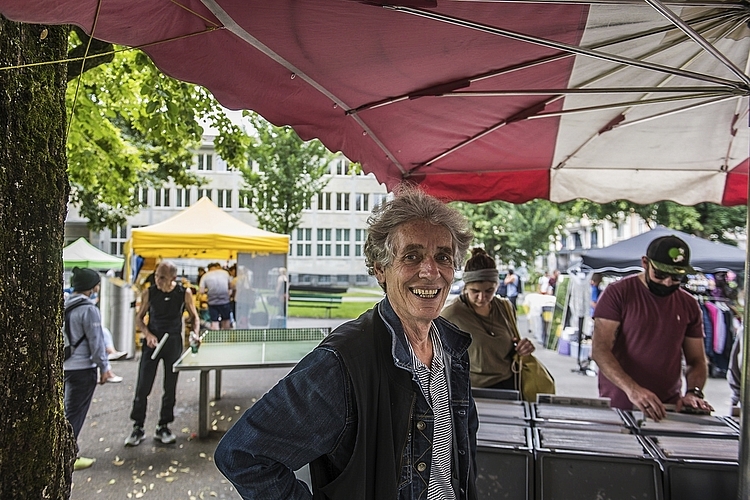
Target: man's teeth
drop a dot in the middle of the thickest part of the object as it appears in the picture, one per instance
(425, 294)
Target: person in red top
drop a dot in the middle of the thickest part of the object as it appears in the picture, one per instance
(643, 325)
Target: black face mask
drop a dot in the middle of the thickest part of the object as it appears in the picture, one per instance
(657, 288)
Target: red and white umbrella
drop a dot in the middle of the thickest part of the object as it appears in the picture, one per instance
(474, 100)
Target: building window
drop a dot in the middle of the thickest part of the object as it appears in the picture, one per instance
(342, 278)
(362, 278)
(161, 197)
(246, 199)
(324, 201)
(117, 238)
(594, 239)
(324, 279)
(224, 198)
(143, 196)
(577, 243)
(340, 167)
(308, 204)
(378, 199)
(182, 198)
(304, 242)
(206, 193)
(342, 242)
(362, 202)
(324, 242)
(359, 239)
(205, 161)
(342, 202)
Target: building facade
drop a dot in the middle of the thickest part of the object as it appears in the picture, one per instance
(326, 249)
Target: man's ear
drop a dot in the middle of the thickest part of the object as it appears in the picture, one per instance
(379, 270)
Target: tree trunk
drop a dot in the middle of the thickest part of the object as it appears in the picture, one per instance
(36, 444)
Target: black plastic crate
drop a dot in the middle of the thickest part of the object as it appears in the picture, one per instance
(698, 468)
(505, 462)
(590, 465)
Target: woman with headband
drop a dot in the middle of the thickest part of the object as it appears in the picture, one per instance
(491, 321)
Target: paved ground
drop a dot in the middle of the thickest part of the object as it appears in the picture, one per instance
(185, 470)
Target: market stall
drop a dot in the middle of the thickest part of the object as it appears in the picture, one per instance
(81, 253)
(624, 257)
(204, 231)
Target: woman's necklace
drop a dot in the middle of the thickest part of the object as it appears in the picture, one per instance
(481, 319)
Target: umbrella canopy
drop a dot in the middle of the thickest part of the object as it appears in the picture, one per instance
(204, 231)
(625, 257)
(81, 253)
(474, 100)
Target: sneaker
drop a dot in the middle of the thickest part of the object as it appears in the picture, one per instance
(135, 437)
(164, 435)
(117, 355)
(83, 463)
(115, 380)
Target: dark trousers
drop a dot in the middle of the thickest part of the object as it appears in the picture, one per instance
(513, 300)
(79, 390)
(169, 354)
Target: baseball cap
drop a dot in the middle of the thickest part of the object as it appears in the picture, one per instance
(670, 254)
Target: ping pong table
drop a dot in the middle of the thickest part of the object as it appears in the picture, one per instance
(244, 349)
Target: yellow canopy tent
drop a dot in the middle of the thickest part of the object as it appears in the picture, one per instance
(203, 231)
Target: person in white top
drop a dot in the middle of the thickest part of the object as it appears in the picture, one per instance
(544, 283)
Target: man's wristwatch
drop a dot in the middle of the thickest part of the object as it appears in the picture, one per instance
(696, 391)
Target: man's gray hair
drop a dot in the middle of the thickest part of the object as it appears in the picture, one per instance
(412, 204)
(168, 266)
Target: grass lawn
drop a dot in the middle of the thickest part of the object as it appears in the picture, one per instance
(345, 310)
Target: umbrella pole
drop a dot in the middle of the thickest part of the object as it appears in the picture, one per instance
(744, 458)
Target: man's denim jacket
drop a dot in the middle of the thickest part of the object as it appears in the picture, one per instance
(312, 414)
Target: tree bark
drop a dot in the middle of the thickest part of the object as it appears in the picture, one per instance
(36, 445)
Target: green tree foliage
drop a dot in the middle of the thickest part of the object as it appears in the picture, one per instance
(514, 233)
(133, 127)
(290, 172)
(705, 220)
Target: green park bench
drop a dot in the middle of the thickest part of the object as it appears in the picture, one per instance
(301, 298)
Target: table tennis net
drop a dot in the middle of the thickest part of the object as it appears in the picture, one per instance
(265, 335)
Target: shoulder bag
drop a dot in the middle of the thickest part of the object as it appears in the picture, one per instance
(532, 377)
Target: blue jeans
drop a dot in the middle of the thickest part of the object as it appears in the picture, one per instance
(79, 390)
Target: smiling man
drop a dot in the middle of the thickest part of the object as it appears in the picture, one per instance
(382, 409)
(644, 325)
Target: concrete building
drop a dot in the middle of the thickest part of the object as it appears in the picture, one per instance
(327, 248)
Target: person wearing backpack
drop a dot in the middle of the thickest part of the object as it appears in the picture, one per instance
(83, 326)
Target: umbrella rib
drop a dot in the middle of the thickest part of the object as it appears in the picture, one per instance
(534, 113)
(717, 18)
(693, 35)
(231, 25)
(687, 3)
(706, 90)
(529, 113)
(617, 121)
(563, 46)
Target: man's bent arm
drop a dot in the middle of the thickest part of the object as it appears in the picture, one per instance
(696, 369)
(605, 332)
